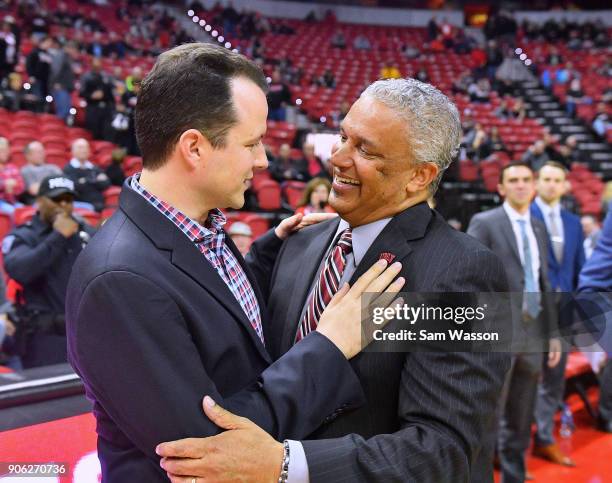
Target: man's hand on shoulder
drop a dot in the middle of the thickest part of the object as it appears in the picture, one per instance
(244, 452)
(297, 222)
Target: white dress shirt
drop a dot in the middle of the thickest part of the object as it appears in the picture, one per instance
(555, 210)
(533, 242)
(362, 238)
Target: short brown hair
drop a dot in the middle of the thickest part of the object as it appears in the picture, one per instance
(512, 165)
(189, 88)
(555, 164)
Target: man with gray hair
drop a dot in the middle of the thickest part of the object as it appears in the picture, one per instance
(426, 413)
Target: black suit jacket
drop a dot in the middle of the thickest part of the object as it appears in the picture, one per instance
(426, 413)
(152, 328)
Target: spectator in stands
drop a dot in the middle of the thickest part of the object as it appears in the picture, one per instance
(591, 230)
(39, 255)
(503, 111)
(242, 236)
(574, 96)
(11, 182)
(116, 46)
(495, 141)
(432, 29)
(361, 42)
(316, 168)
(96, 47)
(61, 77)
(573, 154)
(411, 52)
(315, 196)
(480, 91)
(327, 79)
(390, 71)
(98, 92)
(114, 170)
(279, 96)
(38, 66)
(283, 168)
(89, 180)
(338, 115)
(14, 96)
(462, 83)
(554, 57)
(127, 136)
(338, 40)
(606, 198)
(35, 170)
(518, 110)
(563, 74)
(535, 156)
(601, 122)
(551, 152)
(480, 147)
(495, 57)
(9, 55)
(422, 74)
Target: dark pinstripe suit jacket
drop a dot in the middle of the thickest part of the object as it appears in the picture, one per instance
(426, 413)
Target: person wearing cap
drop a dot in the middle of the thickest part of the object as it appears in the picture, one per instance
(39, 256)
(242, 236)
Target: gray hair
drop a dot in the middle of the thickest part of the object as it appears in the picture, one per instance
(435, 128)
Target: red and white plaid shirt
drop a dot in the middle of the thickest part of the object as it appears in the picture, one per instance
(210, 240)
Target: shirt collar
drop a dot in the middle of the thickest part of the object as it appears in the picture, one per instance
(212, 226)
(547, 209)
(75, 163)
(515, 215)
(363, 236)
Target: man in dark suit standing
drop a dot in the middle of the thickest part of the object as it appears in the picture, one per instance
(520, 240)
(161, 309)
(565, 260)
(426, 413)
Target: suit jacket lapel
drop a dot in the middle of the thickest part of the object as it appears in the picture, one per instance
(508, 233)
(306, 268)
(409, 225)
(186, 257)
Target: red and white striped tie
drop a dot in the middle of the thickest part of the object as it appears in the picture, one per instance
(327, 284)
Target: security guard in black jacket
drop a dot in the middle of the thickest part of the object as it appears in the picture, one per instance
(39, 256)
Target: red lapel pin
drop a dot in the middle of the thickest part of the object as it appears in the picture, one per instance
(387, 256)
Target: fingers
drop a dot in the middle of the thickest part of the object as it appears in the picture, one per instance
(384, 280)
(222, 417)
(181, 448)
(180, 466)
(339, 295)
(313, 218)
(367, 278)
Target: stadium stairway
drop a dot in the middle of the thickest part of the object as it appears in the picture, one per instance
(548, 109)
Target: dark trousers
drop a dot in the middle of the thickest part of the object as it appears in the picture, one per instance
(605, 392)
(516, 414)
(550, 397)
(44, 349)
(97, 120)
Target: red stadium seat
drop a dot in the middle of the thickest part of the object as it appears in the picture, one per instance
(269, 195)
(23, 214)
(91, 217)
(5, 225)
(293, 191)
(259, 225)
(111, 196)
